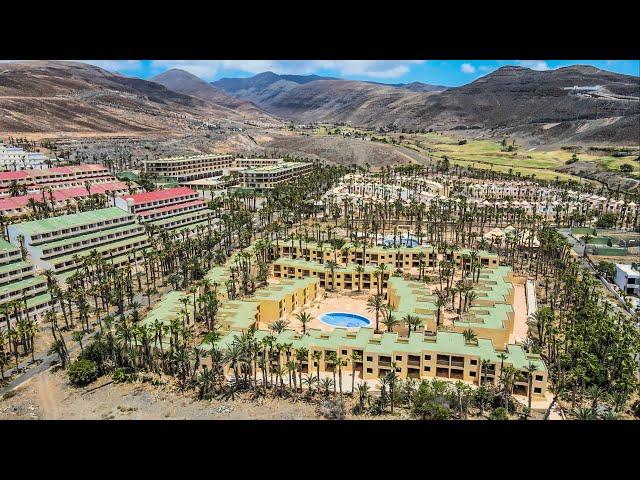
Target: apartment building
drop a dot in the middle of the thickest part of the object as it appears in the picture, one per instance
(444, 355)
(55, 178)
(169, 209)
(346, 277)
(267, 177)
(277, 300)
(399, 257)
(15, 159)
(464, 255)
(58, 199)
(188, 168)
(60, 243)
(19, 283)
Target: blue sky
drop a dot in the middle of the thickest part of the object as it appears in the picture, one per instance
(439, 72)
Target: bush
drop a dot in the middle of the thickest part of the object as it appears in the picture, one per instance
(82, 372)
(607, 220)
(626, 168)
(499, 414)
(122, 375)
(462, 142)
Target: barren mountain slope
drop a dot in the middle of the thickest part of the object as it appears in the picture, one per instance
(188, 84)
(74, 97)
(524, 101)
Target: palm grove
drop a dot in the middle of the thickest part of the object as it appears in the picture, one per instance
(590, 348)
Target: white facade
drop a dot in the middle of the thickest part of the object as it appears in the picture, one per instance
(627, 279)
(14, 158)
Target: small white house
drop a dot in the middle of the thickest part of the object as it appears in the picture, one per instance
(627, 279)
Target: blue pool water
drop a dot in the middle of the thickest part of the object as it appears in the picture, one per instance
(343, 319)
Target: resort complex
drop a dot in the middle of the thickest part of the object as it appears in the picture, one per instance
(418, 290)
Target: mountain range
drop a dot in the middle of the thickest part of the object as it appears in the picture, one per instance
(578, 104)
(542, 104)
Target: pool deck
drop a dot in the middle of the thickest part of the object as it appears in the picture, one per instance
(334, 302)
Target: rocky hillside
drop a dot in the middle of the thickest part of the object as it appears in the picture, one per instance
(188, 84)
(53, 96)
(576, 104)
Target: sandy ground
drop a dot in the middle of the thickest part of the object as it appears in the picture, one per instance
(49, 396)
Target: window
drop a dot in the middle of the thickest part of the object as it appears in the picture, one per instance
(474, 362)
(369, 359)
(538, 378)
(398, 358)
(537, 390)
(427, 357)
(344, 352)
(369, 370)
(427, 369)
(472, 374)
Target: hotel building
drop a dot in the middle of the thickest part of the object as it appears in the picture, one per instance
(188, 168)
(58, 199)
(55, 178)
(267, 177)
(19, 283)
(169, 209)
(60, 243)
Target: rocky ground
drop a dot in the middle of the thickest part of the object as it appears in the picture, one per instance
(49, 396)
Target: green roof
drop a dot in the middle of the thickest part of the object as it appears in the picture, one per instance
(167, 309)
(38, 300)
(275, 291)
(88, 236)
(313, 265)
(12, 267)
(54, 224)
(103, 248)
(450, 343)
(22, 284)
(7, 247)
(238, 314)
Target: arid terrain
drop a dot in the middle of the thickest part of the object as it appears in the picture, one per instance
(50, 397)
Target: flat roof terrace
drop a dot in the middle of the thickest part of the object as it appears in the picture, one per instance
(277, 168)
(65, 222)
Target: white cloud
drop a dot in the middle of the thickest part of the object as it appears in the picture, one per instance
(116, 65)
(467, 68)
(534, 64)
(208, 69)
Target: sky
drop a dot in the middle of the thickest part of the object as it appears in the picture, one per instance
(436, 72)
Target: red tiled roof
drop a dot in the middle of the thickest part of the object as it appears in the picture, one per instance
(168, 208)
(12, 203)
(148, 197)
(8, 176)
(47, 172)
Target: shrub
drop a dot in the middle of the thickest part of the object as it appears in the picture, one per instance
(626, 168)
(82, 372)
(122, 375)
(607, 220)
(462, 142)
(499, 414)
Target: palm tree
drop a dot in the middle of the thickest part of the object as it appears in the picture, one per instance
(531, 368)
(389, 320)
(331, 265)
(304, 318)
(376, 304)
(355, 358)
(412, 321)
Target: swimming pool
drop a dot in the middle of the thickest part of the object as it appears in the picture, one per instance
(344, 319)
